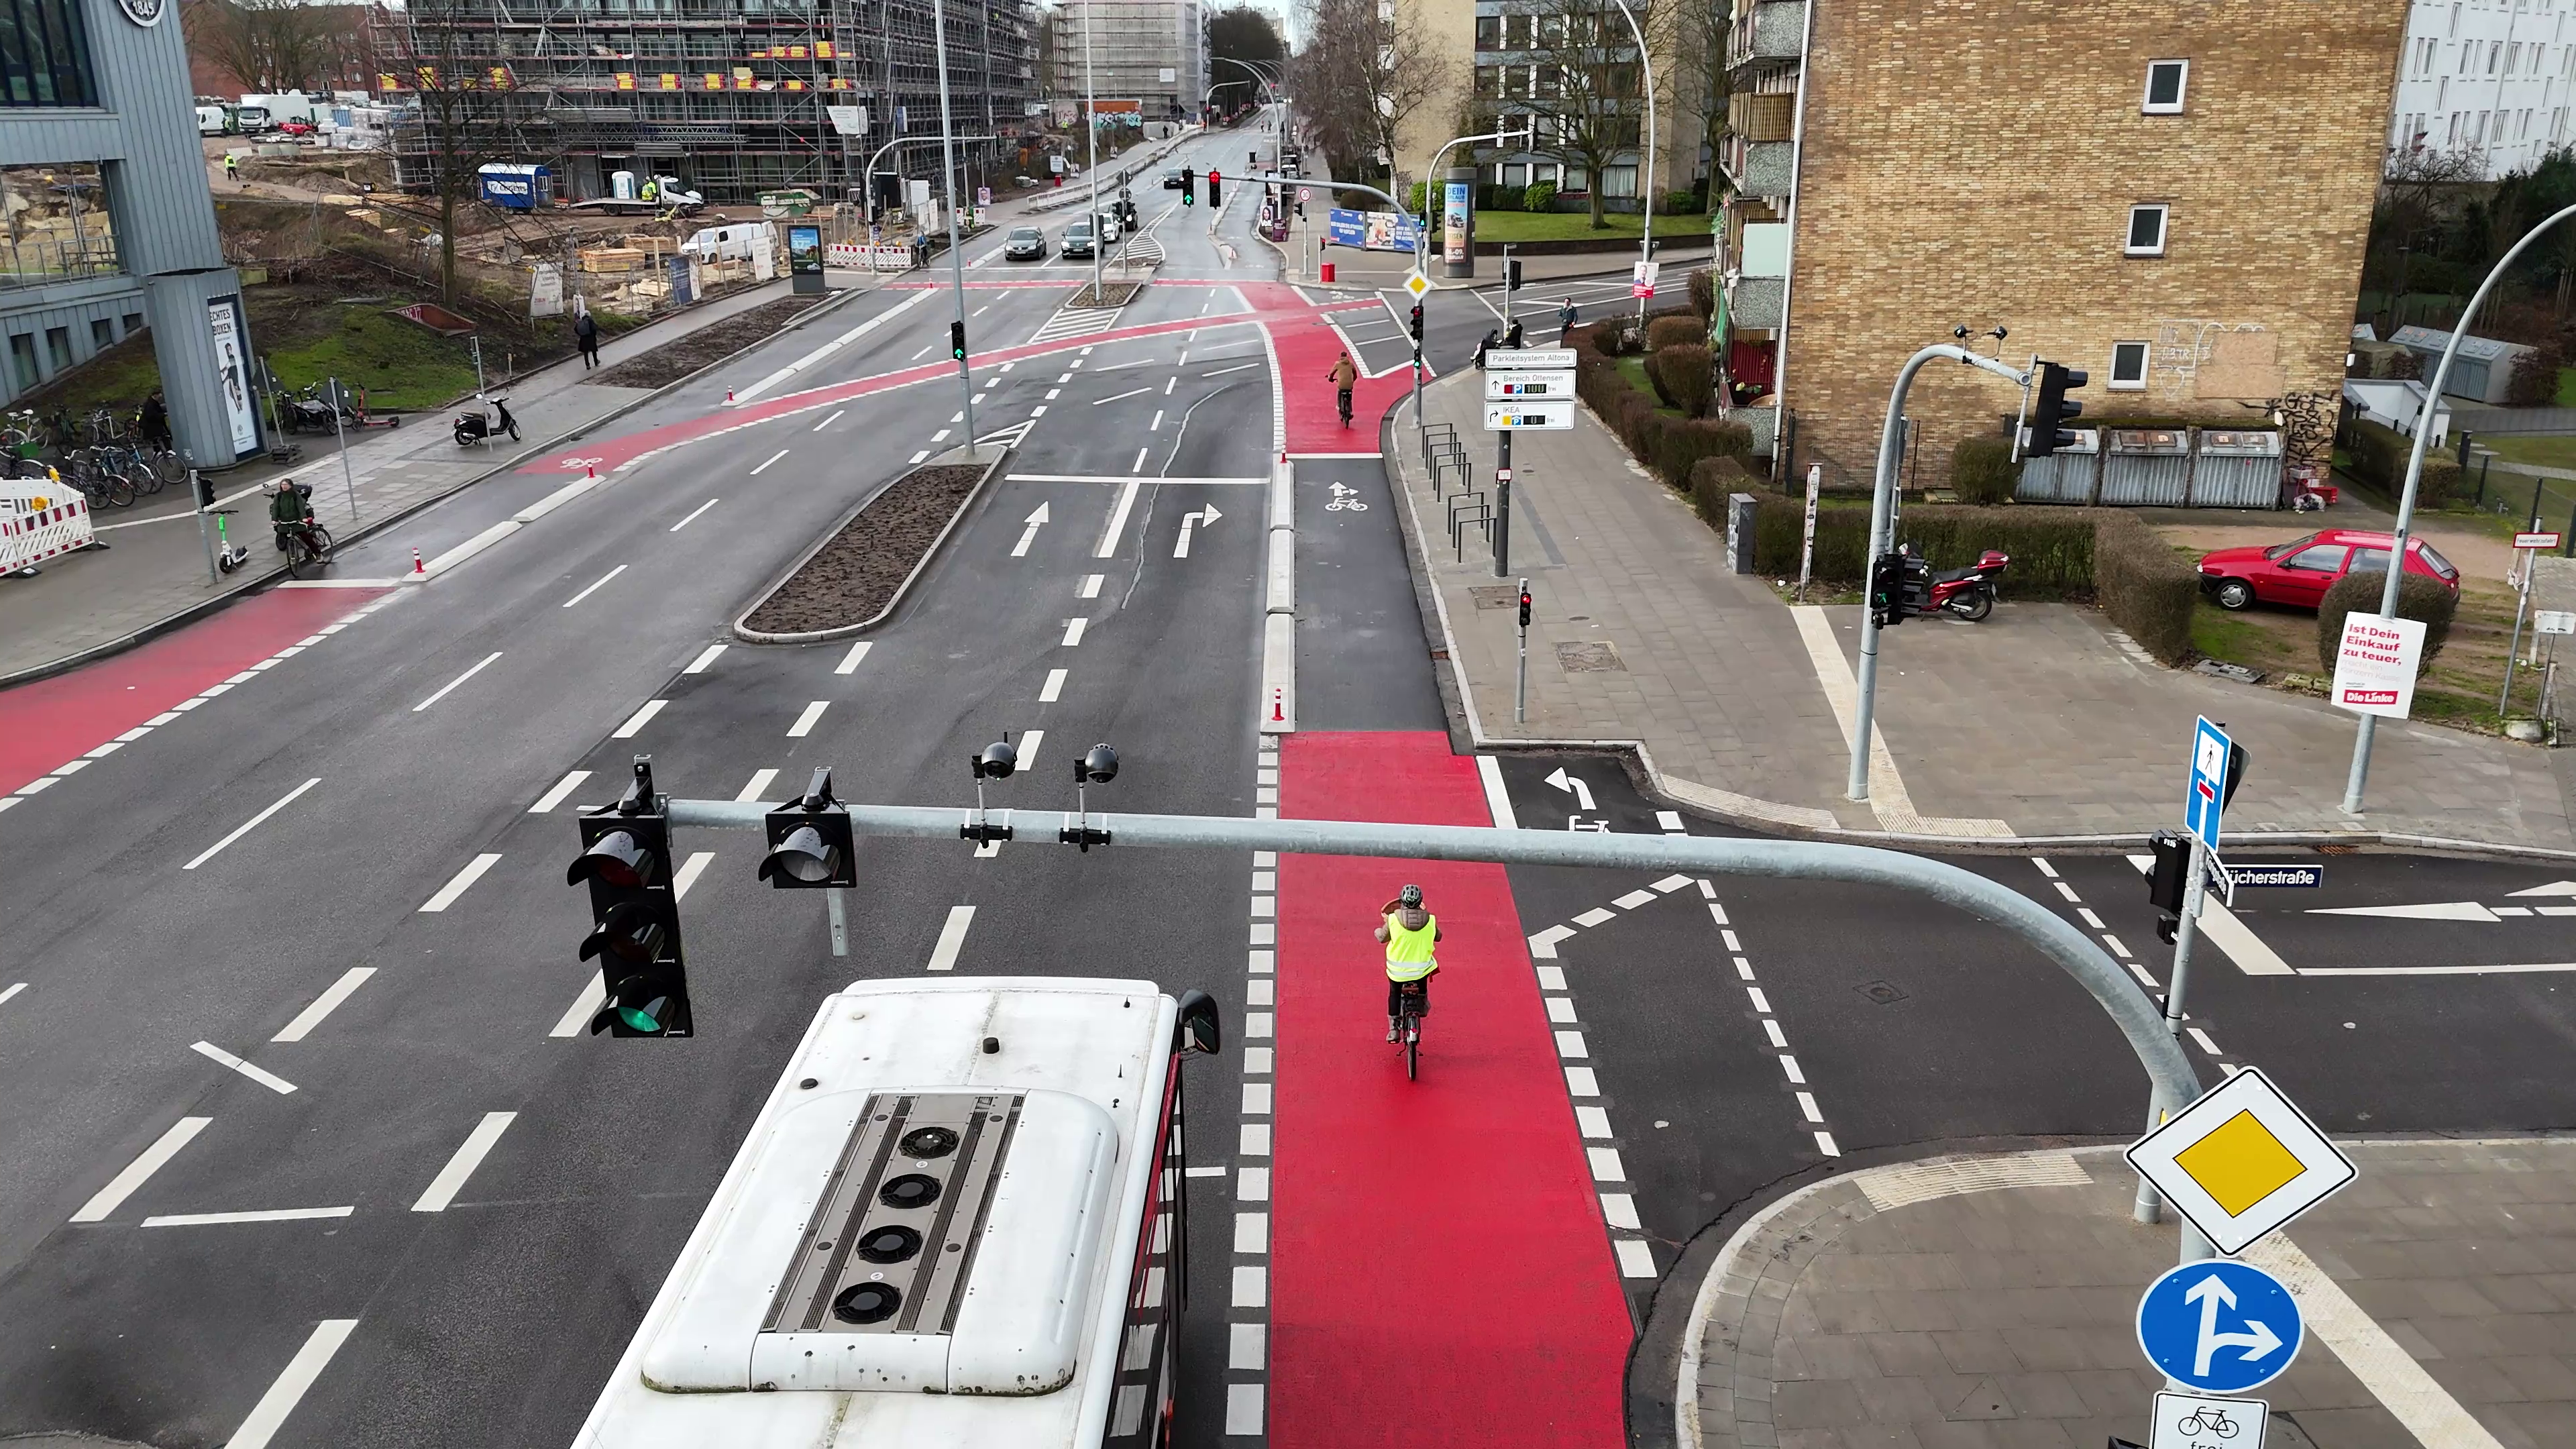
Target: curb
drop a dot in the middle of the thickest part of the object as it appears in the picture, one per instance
(1467, 736)
(974, 495)
(210, 605)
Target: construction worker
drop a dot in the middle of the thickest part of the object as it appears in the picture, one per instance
(232, 169)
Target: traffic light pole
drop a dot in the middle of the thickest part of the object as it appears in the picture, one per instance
(948, 180)
(2159, 1106)
(1502, 503)
(1882, 522)
(1520, 682)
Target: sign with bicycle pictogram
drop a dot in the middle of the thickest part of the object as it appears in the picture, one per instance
(1346, 499)
(2191, 1421)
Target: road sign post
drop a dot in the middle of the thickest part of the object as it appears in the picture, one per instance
(1520, 686)
(1503, 503)
(2215, 770)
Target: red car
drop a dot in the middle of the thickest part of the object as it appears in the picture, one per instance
(295, 128)
(2299, 572)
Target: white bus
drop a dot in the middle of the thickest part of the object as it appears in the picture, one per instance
(956, 1224)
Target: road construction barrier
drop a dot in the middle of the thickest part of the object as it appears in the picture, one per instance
(859, 256)
(40, 518)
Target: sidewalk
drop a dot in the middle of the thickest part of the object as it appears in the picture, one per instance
(154, 571)
(1969, 1302)
(2043, 722)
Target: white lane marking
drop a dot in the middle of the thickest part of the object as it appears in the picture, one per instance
(1807, 1107)
(72, 768)
(693, 515)
(1251, 1287)
(1206, 1172)
(264, 1215)
(2412, 1396)
(1091, 585)
(451, 1178)
(805, 722)
(1606, 1166)
(705, 657)
(1168, 384)
(827, 422)
(1761, 1003)
(554, 797)
(1595, 917)
(1073, 632)
(2114, 942)
(460, 679)
(1592, 1121)
(1156, 425)
(1498, 801)
(247, 826)
(764, 467)
(2045, 868)
(1672, 883)
(1139, 465)
(1131, 392)
(1245, 1345)
(952, 938)
(595, 586)
(1108, 544)
(689, 871)
(11, 991)
(151, 1160)
(850, 661)
(2201, 1039)
(1029, 742)
(584, 1007)
(1252, 1232)
(269, 1414)
(940, 437)
(1053, 689)
(1634, 899)
(754, 790)
(917, 457)
(470, 547)
(1543, 945)
(1825, 1144)
(270, 1080)
(464, 879)
(1570, 1047)
(2436, 970)
(112, 746)
(1240, 367)
(2067, 891)
(1636, 1259)
(1789, 1065)
(326, 1003)
(2090, 919)
(1036, 520)
(635, 722)
(2231, 935)
(2433, 911)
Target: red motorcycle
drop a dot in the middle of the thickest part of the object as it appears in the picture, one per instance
(1968, 592)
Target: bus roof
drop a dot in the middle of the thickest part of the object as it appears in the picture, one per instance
(987, 1139)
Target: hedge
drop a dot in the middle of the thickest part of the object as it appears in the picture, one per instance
(1982, 470)
(1663, 332)
(1703, 292)
(2418, 597)
(2146, 587)
(1540, 196)
(2379, 457)
(1686, 375)
(1713, 480)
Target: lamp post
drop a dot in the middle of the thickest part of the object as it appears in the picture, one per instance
(1646, 182)
(948, 181)
(1091, 136)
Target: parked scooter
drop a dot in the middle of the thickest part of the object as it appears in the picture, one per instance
(1969, 592)
(310, 412)
(479, 423)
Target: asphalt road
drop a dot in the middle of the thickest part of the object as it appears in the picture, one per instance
(311, 940)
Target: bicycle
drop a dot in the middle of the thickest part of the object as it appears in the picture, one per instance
(1412, 1001)
(2216, 1423)
(1344, 403)
(93, 474)
(309, 543)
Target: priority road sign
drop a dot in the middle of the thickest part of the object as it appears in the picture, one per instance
(2206, 799)
(1417, 284)
(2219, 1326)
(2196, 1421)
(2240, 1162)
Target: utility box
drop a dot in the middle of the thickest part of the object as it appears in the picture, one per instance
(1739, 532)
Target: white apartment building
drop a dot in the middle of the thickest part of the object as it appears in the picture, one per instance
(1153, 52)
(2493, 76)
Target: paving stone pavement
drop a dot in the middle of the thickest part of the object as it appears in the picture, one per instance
(155, 564)
(1988, 1303)
(2041, 722)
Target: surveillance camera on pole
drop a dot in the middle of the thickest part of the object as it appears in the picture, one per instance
(997, 762)
(1098, 766)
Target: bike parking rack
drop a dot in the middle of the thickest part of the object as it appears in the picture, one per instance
(1467, 507)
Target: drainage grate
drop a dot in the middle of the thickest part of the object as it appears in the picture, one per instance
(1589, 656)
(891, 1246)
(1884, 993)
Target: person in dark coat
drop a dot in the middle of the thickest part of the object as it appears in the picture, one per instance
(585, 331)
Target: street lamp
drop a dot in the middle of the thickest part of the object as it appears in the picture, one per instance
(1091, 129)
(948, 180)
(1645, 183)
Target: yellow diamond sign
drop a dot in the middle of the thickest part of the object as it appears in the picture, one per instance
(1417, 284)
(2241, 1161)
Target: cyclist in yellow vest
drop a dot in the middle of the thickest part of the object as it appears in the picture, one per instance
(1409, 932)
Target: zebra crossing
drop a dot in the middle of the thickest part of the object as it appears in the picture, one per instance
(1070, 321)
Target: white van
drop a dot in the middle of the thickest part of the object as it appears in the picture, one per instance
(211, 121)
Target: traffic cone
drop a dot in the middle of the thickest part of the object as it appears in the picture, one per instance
(728, 397)
(1275, 703)
(590, 470)
(416, 565)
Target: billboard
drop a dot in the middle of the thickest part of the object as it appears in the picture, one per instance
(1377, 231)
(1453, 220)
(232, 353)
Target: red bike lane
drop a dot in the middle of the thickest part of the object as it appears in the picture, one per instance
(1440, 1271)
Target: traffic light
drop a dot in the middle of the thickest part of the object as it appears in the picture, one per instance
(626, 860)
(1213, 178)
(2052, 409)
(1414, 321)
(1189, 187)
(1512, 274)
(1887, 589)
(957, 340)
(1525, 608)
(810, 842)
(2168, 880)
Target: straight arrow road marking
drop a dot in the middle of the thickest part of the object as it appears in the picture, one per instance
(328, 1002)
(451, 1178)
(460, 679)
(465, 878)
(952, 938)
(217, 1054)
(269, 1414)
(247, 826)
(151, 1160)
(554, 797)
(1036, 520)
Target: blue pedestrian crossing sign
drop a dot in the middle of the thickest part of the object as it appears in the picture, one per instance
(2206, 799)
(2219, 1326)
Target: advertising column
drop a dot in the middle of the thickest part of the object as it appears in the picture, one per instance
(232, 372)
(1456, 219)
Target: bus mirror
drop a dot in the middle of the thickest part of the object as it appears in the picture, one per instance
(1198, 1030)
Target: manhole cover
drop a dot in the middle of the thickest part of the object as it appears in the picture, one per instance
(1884, 993)
(1589, 656)
(1496, 596)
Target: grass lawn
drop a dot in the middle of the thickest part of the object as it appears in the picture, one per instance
(2458, 688)
(2549, 452)
(1521, 226)
(1634, 369)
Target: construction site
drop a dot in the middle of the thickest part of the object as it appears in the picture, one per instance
(735, 98)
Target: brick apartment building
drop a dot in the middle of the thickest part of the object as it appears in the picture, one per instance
(2173, 198)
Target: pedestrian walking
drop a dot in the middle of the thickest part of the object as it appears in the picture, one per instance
(154, 421)
(232, 169)
(1565, 316)
(585, 331)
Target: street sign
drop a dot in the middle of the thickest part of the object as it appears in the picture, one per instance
(1530, 359)
(1514, 386)
(1305, 194)
(1502, 475)
(1641, 278)
(2192, 1421)
(2239, 1162)
(2219, 1326)
(2375, 665)
(2277, 875)
(2535, 540)
(2216, 877)
(1549, 417)
(2206, 798)
(1417, 284)
(2553, 621)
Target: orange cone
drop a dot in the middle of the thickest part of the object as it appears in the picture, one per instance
(1275, 702)
(416, 565)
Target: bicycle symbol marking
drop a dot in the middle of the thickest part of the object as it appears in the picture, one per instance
(2208, 1421)
(1345, 499)
(569, 464)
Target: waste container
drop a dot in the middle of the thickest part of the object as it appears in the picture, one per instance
(1326, 274)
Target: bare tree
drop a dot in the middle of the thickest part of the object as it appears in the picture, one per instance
(1583, 91)
(276, 45)
(1360, 77)
(467, 106)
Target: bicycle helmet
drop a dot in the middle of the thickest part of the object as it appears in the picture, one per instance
(1410, 897)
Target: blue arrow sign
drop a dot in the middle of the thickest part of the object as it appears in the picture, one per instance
(2206, 797)
(2219, 1326)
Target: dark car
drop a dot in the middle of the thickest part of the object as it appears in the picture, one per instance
(1171, 178)
(2299, 572)
(1026, 244)
(1077, 239)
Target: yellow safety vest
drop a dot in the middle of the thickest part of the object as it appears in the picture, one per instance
(1408, 953)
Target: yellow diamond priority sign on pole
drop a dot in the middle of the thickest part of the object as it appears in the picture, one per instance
(2241, 1161)
(1417, 284)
